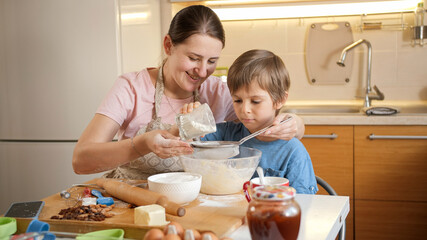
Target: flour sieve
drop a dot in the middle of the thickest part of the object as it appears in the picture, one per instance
(209, 149)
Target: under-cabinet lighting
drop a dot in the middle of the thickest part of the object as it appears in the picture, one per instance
(140, 15)
(135, 18)
(135, 14)
(298, 10)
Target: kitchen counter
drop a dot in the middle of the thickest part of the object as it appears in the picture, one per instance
(342, 112)
(358, 119)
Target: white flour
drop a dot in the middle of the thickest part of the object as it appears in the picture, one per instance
(193, 129)
(216, 153)
(222, 178)
(197, 123)
(173, 178)
(221, 201)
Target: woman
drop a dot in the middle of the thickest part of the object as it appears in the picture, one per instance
(141, 106)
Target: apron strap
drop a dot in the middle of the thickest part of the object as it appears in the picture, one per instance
(160, 89)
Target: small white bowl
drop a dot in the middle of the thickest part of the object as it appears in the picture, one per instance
(178, 187)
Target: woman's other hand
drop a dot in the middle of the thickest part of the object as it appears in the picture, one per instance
(188, 107)
(288, 130)
(164, 144)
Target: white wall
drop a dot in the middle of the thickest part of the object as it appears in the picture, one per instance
(32, 171)
(2, 58)
(58, 59)
(140, 40)
(398, 69)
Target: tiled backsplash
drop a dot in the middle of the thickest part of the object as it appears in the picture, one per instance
(398, 68)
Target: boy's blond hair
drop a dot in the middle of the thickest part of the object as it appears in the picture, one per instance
(264, 67)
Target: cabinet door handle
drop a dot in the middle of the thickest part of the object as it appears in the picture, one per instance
(373, 136)
(330, 136)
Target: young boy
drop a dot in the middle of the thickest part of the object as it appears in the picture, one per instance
(259, 82)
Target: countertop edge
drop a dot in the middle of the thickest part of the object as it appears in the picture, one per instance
(416, 119)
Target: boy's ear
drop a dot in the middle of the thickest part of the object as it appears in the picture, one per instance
(280, 104)
(167, 44)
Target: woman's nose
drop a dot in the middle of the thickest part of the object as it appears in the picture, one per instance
(202, 69)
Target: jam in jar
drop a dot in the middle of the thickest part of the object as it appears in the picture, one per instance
(273, 213)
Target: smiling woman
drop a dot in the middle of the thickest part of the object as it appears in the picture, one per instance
(135, 111)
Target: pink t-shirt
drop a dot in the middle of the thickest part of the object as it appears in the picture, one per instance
(130, 102)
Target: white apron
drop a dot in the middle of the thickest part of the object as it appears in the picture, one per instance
(149, 164)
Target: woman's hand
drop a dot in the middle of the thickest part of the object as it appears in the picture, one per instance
(286, 131)
(95, 152)
(164, 144)
(188, 107)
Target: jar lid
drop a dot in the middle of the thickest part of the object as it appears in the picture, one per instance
(274, 193)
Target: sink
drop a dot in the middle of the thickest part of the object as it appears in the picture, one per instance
(322, 110)
(346, 109)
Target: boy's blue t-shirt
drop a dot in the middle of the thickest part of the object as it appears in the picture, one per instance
(279, 158)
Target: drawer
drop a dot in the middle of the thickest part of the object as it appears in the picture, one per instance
(332, 158)
(390, 220)
(390, 169)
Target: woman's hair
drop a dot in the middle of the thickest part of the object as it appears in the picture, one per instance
(195, 19)
(264, 67)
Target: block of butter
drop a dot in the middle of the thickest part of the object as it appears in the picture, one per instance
(150, 215)
(87, 201)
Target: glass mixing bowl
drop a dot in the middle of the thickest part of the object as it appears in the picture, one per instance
(223, 176)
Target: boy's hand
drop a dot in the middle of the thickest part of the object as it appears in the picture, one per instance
(188, 107)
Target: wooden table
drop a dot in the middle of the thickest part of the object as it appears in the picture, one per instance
(322, 217)
(219, 214)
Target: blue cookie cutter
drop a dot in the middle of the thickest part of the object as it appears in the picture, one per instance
(101, 199)
(39, 227)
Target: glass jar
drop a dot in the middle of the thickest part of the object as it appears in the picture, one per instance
(273, 213)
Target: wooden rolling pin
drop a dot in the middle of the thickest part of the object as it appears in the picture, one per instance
(139, 196)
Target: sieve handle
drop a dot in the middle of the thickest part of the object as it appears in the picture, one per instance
(260, 131)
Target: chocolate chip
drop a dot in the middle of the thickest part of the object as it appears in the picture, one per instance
(85, 213)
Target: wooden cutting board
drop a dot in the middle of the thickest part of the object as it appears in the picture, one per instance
(220, 214)
(325, 42)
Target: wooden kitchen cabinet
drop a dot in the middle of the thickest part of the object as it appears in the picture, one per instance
(391, 220)
(390, 178)
(388, 200)
(331, 152)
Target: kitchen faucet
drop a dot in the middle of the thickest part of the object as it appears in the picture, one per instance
(368, 93)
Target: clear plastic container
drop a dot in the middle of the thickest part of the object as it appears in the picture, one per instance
(197, 123)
